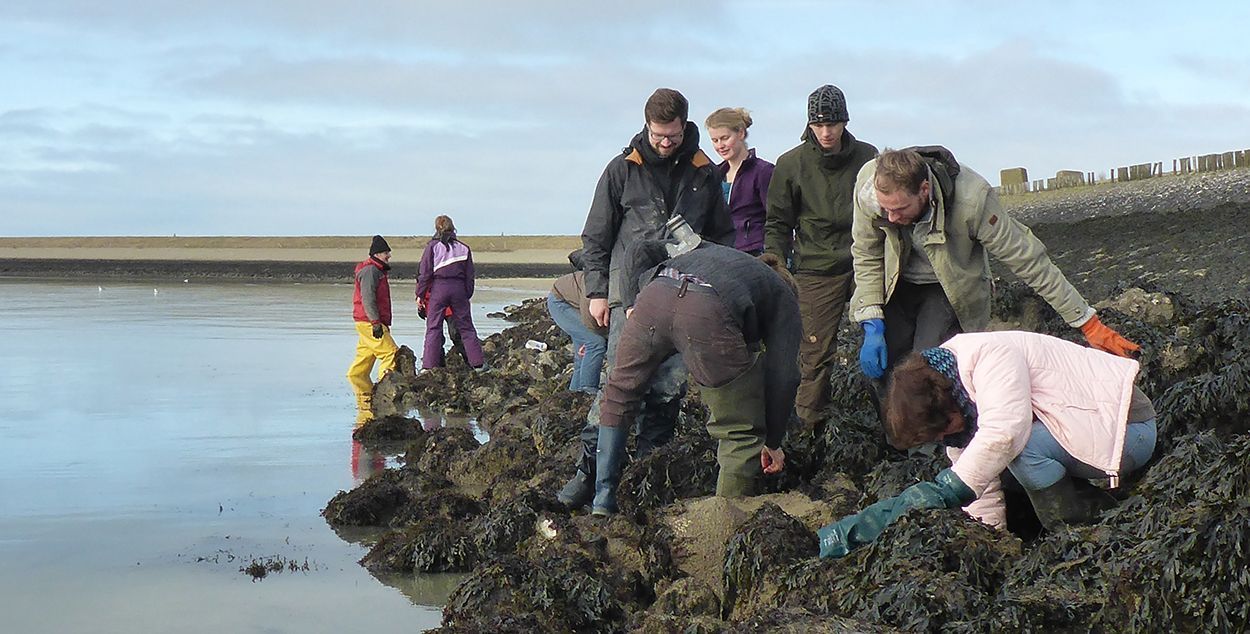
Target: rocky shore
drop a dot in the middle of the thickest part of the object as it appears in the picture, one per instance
(1171, 557)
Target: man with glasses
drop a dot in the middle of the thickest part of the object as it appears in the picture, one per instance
(660, 174)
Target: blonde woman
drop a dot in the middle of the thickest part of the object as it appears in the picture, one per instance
(746, 177)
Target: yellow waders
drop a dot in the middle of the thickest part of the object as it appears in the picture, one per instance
(369, 349)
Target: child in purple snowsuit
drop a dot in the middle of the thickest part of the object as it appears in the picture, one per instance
(447, 275)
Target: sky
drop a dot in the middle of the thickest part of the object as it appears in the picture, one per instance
(311, 117)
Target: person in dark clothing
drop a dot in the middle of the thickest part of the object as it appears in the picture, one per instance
(447, 276)
(810, 201)
(716, 307)
(660, 174)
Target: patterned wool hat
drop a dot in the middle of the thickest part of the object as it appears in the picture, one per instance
(827, 105)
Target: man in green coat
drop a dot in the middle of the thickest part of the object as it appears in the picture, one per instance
(924, 229)
(810, 200)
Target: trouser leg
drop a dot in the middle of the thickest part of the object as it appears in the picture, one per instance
(462, 317)
(591, 351)
(917, 317)
(822, 300)
(361, 367)
(432, 353)
(738, 425)
(385, 350)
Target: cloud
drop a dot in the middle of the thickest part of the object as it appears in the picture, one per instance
(324, 117)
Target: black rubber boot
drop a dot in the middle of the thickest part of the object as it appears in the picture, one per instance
(578, 491)
(1069, 502)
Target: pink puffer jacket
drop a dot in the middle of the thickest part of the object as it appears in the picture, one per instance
(1082, 395)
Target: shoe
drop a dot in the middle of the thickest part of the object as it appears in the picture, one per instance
(481, 369)
(608, 465)
(1069, 502)
(577, 492)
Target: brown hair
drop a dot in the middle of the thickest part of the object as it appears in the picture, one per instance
(779, 268)
(736, 119)
(900, 168)
(666, 104)
(443, 225)
(918, 403)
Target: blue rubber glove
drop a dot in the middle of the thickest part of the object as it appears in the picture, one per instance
(872, 356)
(841, 537)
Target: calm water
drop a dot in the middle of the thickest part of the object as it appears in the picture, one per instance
(153, 443)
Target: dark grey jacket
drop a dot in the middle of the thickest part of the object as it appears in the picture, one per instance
(637, 194)
(756, 298)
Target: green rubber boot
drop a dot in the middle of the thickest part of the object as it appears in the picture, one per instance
(1069, 502)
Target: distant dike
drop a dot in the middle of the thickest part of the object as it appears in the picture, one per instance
(243, 271)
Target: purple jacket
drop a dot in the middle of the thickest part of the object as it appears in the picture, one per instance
(445, 262)
(747, 199)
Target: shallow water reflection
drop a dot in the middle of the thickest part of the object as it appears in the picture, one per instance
(158, 438)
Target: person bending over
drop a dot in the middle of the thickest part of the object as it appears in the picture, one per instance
(1050, 412)
(735, 321)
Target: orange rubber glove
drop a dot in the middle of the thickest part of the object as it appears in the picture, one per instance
(1100, 336)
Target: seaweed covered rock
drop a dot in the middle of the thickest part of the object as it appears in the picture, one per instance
(1172, 557)
(373, 503)
(767, 543)
(929, 569)
(441, 450)
(683, 468)
(563, 594)
(554, 421)
(1215, 394)
(507, 460)
(393, 497)
(799, 621)
(505, 526)
(388, 431)
(430, 544)
(853, 443)
(686, 597)
(896, 471)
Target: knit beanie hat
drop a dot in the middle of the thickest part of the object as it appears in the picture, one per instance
(827, 105)
(379, 245)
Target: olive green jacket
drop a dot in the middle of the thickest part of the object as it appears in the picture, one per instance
(961, 236)
(810, 199)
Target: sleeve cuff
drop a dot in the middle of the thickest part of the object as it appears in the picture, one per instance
(1085, 317)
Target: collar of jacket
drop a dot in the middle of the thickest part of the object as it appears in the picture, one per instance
(723, 166)
(689, 146)
(831, 160)
(379, 263)
(699, 159)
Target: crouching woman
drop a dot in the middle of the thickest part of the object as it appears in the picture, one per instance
(1051, 413)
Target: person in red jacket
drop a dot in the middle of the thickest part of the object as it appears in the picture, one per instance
(371, 308)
